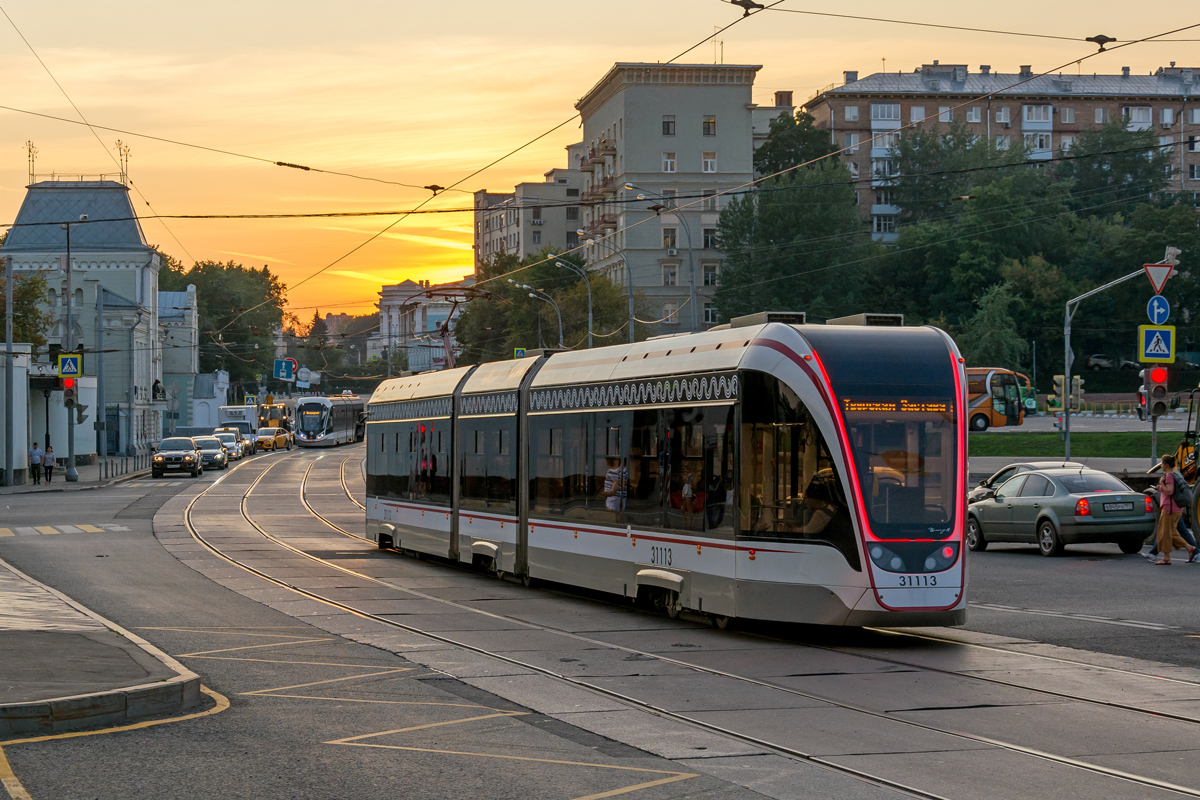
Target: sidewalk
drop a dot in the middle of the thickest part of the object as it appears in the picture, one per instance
(90, 477)
(63, 667)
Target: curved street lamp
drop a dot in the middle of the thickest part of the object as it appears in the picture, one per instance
(688, 231)
(628, 276)
(583, 274)
(538, 294)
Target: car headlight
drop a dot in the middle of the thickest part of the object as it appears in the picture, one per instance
(158, 458)
(187, 458)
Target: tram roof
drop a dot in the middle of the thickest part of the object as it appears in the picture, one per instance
(499, 376)
(416, 387)
(709, 351)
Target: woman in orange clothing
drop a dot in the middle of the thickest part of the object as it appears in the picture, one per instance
(1168, 516)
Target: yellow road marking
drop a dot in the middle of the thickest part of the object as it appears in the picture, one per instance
(381, 702)
(222, 628)
(280, 661)
(352, 739)
(46, 529)
(90, 529)
(6, 532)
(235, 632)
(15, 790)
(332, 680)
(222, 703)
(253, 647)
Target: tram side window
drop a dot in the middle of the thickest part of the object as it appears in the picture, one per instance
(790, 485)
(609, 476)
(558, 465)
(429, 462)
(488, 466)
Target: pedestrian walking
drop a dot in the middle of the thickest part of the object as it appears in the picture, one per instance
(1169, 511)
(35, 464)
(48, 462)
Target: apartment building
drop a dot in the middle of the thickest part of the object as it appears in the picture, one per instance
(411, 321)
(1048, 112)
(678, 135)
(533, 215)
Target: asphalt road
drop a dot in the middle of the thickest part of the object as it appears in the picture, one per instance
(298, 692)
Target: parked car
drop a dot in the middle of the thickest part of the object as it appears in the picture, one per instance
(274, 439)
(1053, 508)
(177, 454)
(1099, 361)
(990, 484)
(1131, 365)
(212, 452)
(233, 444)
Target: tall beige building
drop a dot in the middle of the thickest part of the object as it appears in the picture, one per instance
(1049, 112)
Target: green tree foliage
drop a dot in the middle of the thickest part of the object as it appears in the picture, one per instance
(239, 307)
(31, 318)
(785, 245)
(990, 336)
(791, 141)
(490, 329)
(1114, 169)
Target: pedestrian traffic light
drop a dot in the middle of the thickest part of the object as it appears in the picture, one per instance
(1141, 400)
(1156, 391)
(1077, 392)
(70, 392)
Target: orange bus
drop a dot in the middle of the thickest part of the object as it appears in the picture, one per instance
(993, 398)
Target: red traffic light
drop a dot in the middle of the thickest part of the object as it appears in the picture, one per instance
(1158, 375)
(68, 383)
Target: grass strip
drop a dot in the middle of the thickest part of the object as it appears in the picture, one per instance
(1123, 444)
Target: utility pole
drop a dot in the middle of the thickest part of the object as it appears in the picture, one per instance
(8, 371)
(101, 424)
(72, 475)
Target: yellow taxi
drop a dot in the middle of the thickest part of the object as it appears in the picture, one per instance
(274, 439)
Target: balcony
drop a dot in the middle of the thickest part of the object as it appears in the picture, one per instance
(588, 194)
(607, 148)
(607, 221)
(608, 185)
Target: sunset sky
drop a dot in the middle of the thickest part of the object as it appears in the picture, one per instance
(425, 93)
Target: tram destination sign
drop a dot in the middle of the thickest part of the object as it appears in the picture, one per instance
(902, 405)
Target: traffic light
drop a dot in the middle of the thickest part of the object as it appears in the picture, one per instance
(1141, 398)
(70, 392)
(1060, 390)
(1156, 391)
(1077, 392)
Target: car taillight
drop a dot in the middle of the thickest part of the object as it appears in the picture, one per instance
(1082, 509)
(1149, 505)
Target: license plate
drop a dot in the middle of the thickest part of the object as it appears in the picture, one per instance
(1118, 506)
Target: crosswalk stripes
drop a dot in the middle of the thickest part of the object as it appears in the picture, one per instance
(53, 530)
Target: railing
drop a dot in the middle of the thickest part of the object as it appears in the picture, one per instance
(822, 91)
(115, 467)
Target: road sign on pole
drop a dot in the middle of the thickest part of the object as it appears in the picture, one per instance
(1158, 274)
(518, 352)
(70, 365)
(1158, 310)
(283, 369)
(1156, 344)
(251, 400)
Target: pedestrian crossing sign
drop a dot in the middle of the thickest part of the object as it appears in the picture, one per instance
(1156, 344)
(70, 365)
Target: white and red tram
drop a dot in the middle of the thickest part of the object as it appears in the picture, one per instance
(801, 473)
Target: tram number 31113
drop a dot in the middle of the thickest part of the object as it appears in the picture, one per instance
(918, 580)
(660, 556)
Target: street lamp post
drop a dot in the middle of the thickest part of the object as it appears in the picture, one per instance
(72, 475)
(539, 294)
(583, 274)
(688, 232)
(628, 277)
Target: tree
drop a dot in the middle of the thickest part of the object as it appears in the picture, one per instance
(31, 320)
(991, 338)
(791, 140)
(1113, 169)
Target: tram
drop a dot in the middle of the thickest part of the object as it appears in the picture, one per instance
(799, 473)
(329, 421)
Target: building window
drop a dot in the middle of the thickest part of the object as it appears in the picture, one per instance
(668, 124)
(973, 114)
(572, 212)
(710, 313)
(710, 199)
(708, 162)
(851, 140)
(1003, 141)
(853, 165)
(1066, 115)
(669, 196)
(1167, 116)
(1037, 113)
(572, 193)
(883, 223)
(945, 114)
(668, 162)
(1194, 172)
(882, 168)
(851, 113)
(1138, 115)
(885, 111)
(710, 125)
(917, 113)
(572, 239)
(670, 238)
(1194, 116)
(884, 197)
(710, 238)
(1037, 141)
(670, 314)
(670, 276)
(888, 140)
(537, 237)
(711, 273)
(1002, 115)
(1164, 144)
(1101, 116)
(1066, 142)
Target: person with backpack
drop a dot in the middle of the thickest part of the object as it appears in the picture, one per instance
(1186, 500)
(1171, 489)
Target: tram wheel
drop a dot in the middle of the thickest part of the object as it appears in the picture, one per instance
(720, 622)
(528, 580)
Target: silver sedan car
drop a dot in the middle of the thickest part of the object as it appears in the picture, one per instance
(1056, 507)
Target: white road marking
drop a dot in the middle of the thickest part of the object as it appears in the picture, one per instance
(1126, 623)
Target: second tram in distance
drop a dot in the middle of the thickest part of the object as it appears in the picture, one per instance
(328, 421)
(800, 473)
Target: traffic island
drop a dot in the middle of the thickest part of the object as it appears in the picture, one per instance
(66, 668)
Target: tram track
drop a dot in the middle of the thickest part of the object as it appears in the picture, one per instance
(651, 707)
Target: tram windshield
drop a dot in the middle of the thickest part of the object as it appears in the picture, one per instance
(313, 418)
(897, 400)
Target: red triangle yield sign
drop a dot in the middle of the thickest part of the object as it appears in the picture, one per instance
(1158, 274)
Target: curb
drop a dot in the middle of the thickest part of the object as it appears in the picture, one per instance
(130, 477)
(113, 707)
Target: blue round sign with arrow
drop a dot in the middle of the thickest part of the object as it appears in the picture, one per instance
(1158, 309)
